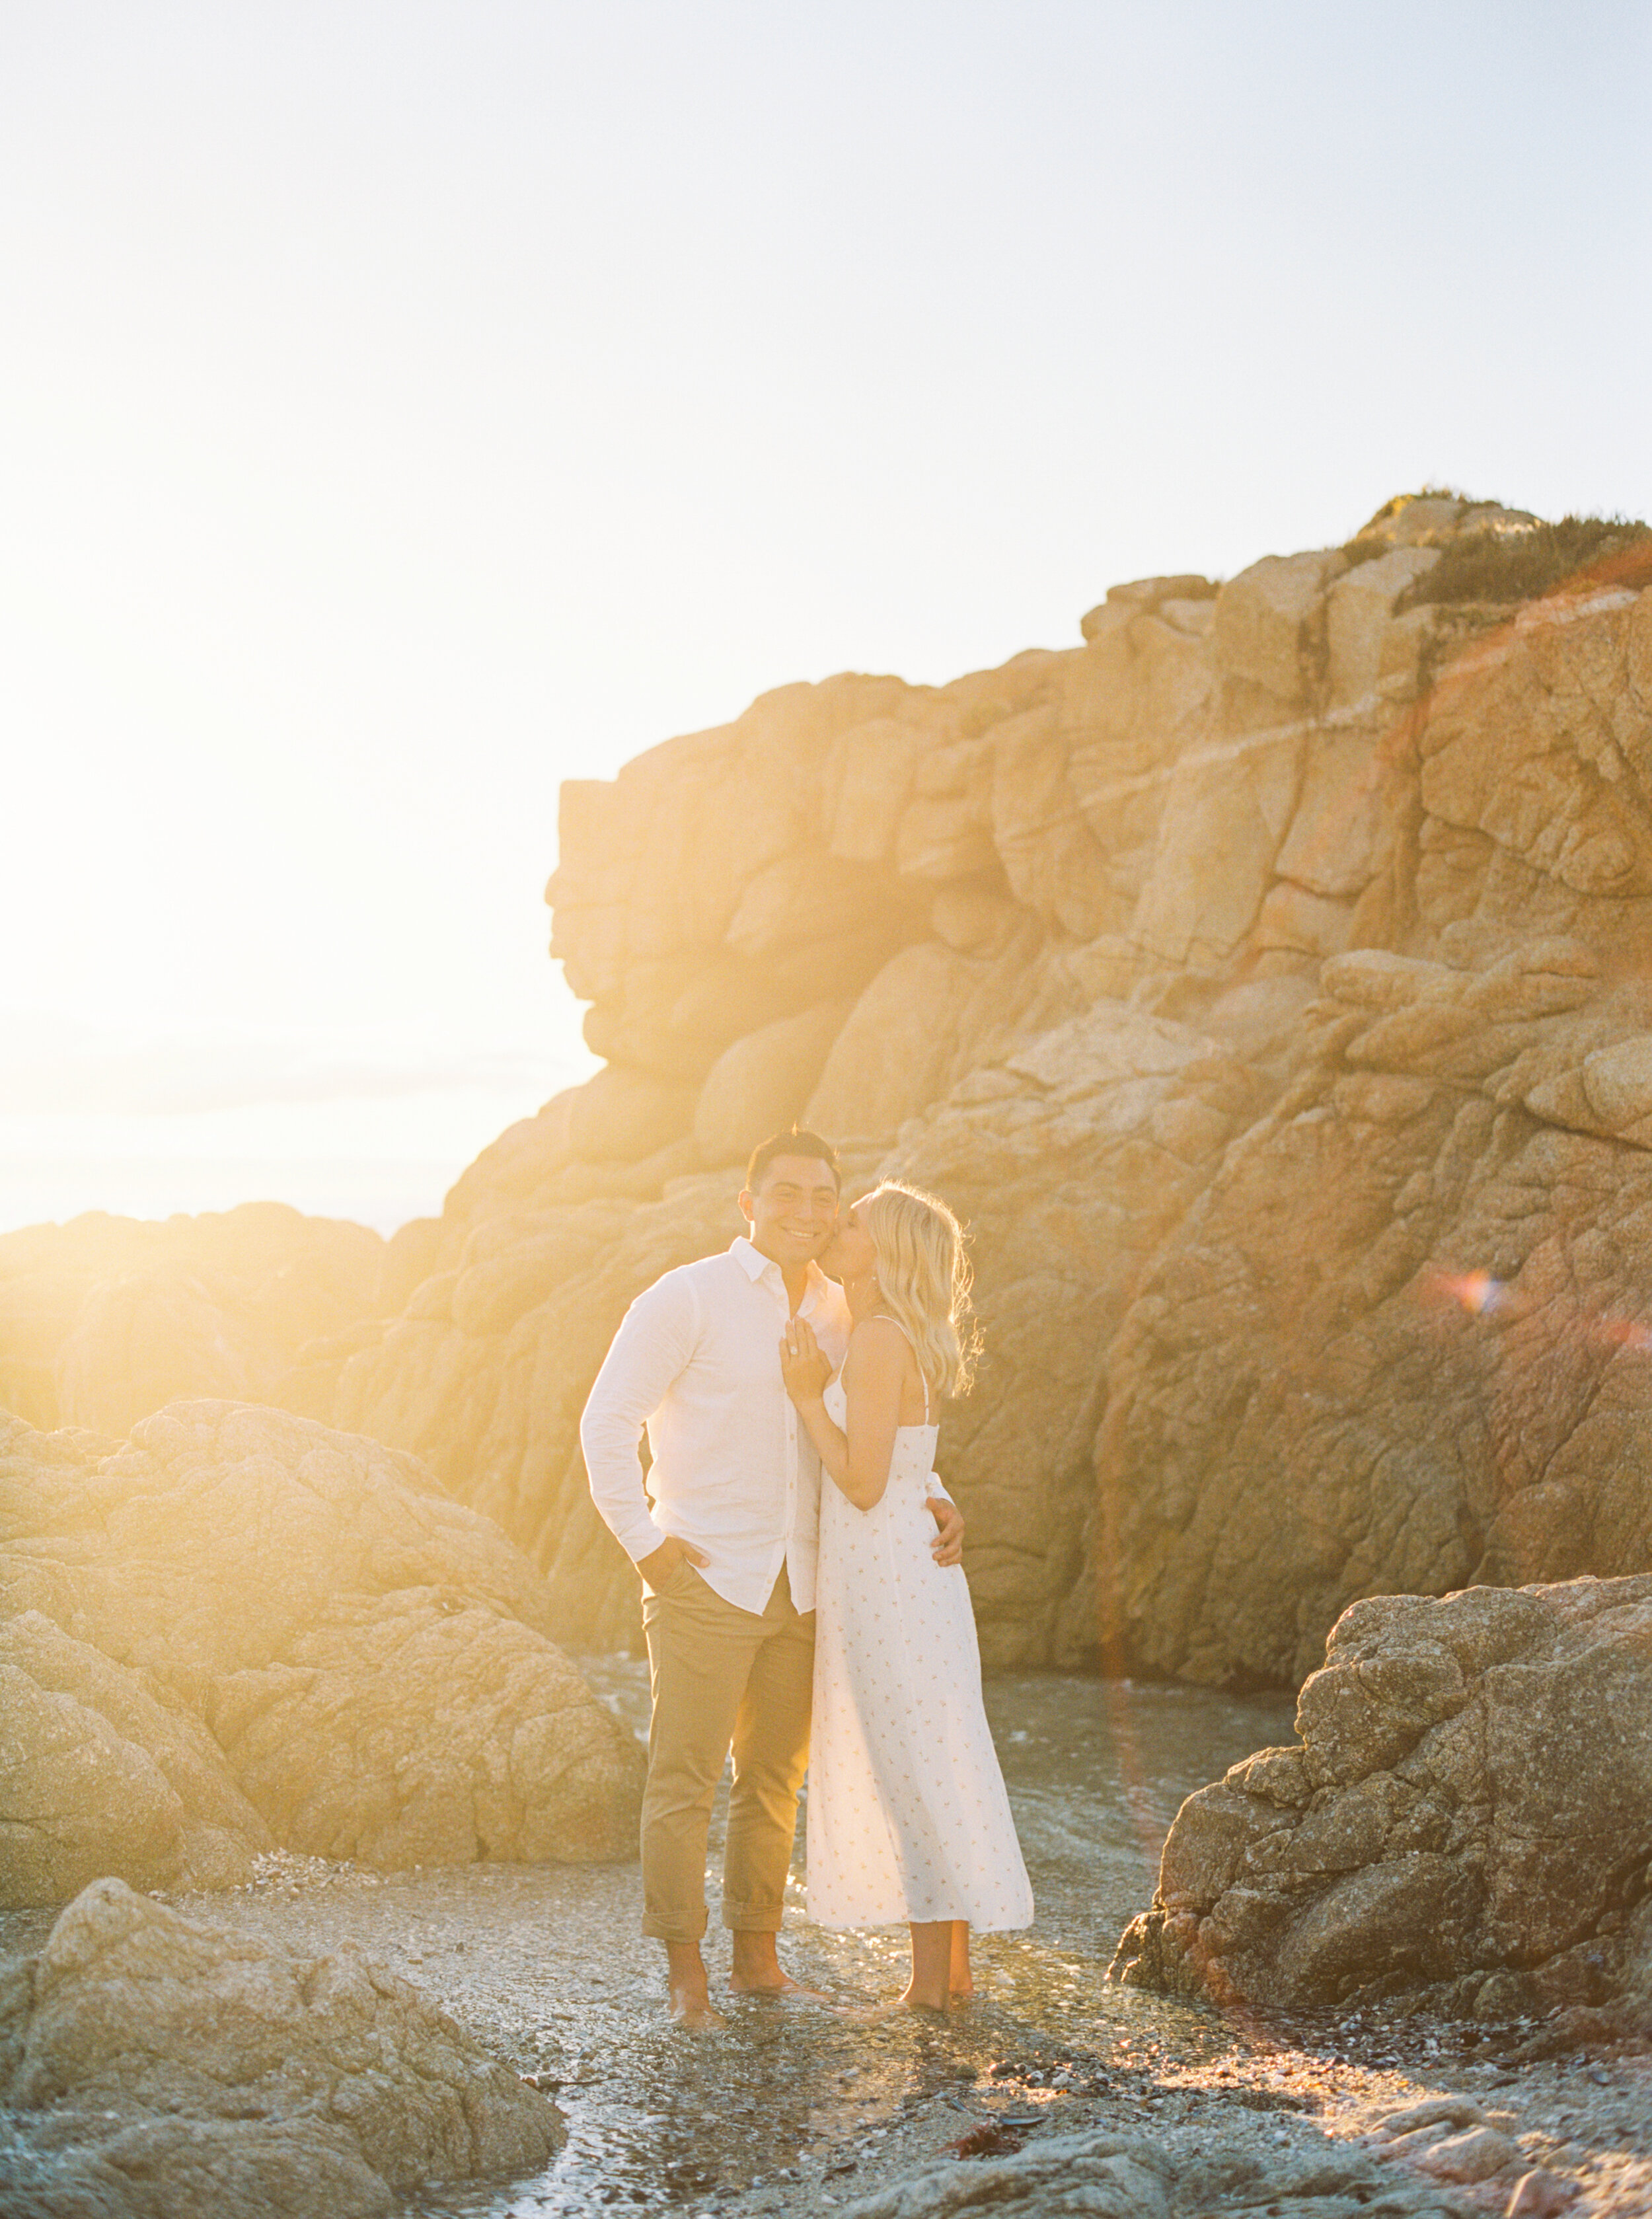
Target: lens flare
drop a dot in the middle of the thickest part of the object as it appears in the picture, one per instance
(1482, 1296)
(1626, 1332)
(1477, 1292)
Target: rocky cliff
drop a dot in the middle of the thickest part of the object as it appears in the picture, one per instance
(1266, 981)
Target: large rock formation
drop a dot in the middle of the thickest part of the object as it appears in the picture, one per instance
(1408, 1310)
(243, 1630)
(1253, 977)
(152, 2067)
(1264, 979)
(104, 1320)
(1468, 1812)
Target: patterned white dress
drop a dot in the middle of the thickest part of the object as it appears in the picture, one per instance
(908, 1817)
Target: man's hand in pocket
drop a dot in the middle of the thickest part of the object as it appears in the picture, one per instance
(659, 1564)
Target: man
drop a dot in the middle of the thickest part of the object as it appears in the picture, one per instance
(727, 1556)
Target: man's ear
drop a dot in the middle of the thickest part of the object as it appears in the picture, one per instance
(746, 1210)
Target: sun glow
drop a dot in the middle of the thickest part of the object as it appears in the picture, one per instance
(399, 415)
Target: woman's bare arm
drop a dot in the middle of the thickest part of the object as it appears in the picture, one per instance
(874, 1374)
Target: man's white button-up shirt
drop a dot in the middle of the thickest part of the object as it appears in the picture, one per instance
(697, 1361)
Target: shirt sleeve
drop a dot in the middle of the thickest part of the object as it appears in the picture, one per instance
(651, 1349)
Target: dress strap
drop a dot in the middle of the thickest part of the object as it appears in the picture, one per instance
(922, 1374)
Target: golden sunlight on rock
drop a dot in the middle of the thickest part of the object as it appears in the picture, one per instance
(1236, 973)
(241, 1630)
(1265, 982)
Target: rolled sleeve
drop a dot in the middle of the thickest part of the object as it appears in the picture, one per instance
(653, 1346)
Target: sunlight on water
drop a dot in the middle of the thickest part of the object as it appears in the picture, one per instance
(658, 2121)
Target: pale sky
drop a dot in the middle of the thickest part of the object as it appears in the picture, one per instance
(404, 407)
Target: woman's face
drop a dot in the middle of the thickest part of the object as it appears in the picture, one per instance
(849, 1254)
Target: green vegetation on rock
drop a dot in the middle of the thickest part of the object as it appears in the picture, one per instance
(1527, 566)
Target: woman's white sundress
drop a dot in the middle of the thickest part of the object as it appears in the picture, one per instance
(908, 1817)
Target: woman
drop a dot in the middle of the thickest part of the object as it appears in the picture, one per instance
(907, 1818)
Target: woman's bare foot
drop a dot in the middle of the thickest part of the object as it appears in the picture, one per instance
(880, 2014)
(961, 1981)
(932, 2005)
(939, 1961)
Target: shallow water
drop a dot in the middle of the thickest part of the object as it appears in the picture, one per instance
(795, 2111)
(661, 2121)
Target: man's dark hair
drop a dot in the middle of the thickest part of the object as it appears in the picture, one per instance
(797, 1142)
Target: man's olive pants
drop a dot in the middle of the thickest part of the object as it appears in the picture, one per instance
(722, 1676)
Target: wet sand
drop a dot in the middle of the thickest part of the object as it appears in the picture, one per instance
(796, 2110)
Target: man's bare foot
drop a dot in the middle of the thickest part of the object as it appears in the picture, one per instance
(756, 1971)
(785, 1990)
(691, 2001)
(696, 2012)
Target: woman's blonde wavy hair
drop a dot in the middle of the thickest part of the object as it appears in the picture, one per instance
(924, 1278)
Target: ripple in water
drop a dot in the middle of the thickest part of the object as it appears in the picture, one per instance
(661, 2122)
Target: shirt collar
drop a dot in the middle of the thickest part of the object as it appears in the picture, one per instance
(753, 1261)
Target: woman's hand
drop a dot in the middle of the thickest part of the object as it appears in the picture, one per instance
(804, 1363)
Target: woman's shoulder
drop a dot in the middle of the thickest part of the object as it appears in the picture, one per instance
(878, 1343)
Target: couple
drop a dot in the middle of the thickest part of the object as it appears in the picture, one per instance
(800, 1559)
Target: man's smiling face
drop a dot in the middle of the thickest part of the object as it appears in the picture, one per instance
(793, 1209)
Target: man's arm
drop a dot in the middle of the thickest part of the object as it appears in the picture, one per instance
(650, 1350)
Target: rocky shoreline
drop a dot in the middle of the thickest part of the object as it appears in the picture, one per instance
(1054, 2075)
(796, 2112)
(1462, 1823)
(240, 1630)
